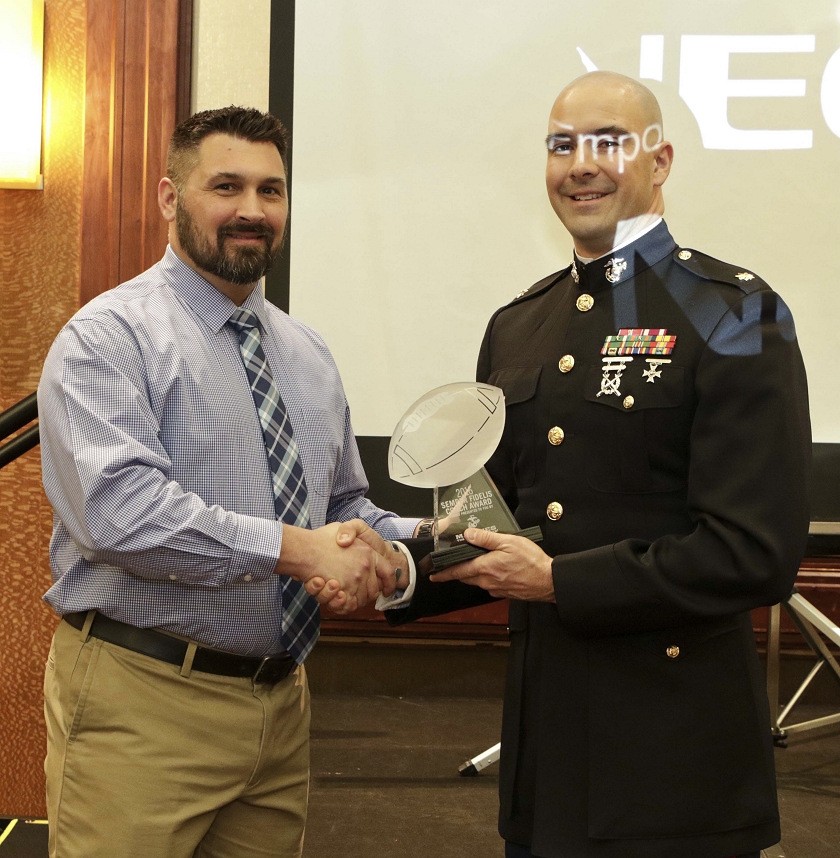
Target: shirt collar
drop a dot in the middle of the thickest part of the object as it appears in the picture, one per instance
(206, 301)
(634, 234)
(625, 261)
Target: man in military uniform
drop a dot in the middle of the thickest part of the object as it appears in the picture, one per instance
(657, 431)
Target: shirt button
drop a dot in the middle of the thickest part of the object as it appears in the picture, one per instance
(556, 435)
(554, 511)
(567, 362)
(246, 577)
(585, 303)
(672, 651)
(629, 402)
(173, 577)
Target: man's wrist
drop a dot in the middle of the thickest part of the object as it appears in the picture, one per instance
(295, 553)
(405, 590)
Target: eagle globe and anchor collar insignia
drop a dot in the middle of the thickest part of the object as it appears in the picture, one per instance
(622, 264)
(614, 268)
(620, 349)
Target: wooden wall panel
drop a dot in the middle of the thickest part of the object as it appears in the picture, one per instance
(103, 143)
(487, 622)
(95, 223)
(818, 582)
(40, 234)
(131, 103)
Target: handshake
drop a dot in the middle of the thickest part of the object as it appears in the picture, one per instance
(343, 565)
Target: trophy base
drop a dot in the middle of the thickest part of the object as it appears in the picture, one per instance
(446, 557)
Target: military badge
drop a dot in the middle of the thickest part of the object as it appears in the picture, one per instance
(635, 341)
(745, 275)
(653, 371)
(575, 275)
(615, 267)
(615, 365)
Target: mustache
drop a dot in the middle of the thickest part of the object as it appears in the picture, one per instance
(258, 229)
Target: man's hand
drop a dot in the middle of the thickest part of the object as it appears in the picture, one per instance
(514, 568)
(392, 573)
(329, 592)
(353, 569)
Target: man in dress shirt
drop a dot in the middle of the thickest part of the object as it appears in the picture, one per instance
(657, 431)
(178, 724)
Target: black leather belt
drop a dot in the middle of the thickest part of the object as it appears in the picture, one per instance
(271, 668)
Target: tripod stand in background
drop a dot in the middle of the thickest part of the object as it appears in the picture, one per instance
(809, 621)
(823, 540)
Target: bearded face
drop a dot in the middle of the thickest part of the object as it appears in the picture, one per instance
(223, 255)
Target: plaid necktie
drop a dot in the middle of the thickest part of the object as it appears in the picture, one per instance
(300, 610)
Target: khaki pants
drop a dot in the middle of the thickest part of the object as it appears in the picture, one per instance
(142, 761)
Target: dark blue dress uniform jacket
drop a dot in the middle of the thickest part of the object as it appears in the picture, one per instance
(636, 724)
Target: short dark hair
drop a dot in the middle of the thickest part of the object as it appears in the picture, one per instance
(247, 123)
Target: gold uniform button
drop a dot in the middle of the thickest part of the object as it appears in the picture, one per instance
(672, 651)
(567, 363)
(554, 511)
(556, 435)
(629, 402)
(585, 303)
(684, 254)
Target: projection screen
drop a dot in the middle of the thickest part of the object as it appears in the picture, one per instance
(419, 204)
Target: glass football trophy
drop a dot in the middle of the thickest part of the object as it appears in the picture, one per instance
(441, 443)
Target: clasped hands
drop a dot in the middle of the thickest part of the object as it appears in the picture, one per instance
(513, 567)
(343, 565)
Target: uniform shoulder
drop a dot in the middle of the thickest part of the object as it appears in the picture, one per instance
(709, 268)
(539, 287)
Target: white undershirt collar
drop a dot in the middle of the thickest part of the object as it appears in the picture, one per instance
(643, 227)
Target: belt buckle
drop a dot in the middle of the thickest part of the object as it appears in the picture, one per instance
(271, 669)
(259, 670)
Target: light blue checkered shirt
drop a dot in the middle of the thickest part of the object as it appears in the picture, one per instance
(155, 465)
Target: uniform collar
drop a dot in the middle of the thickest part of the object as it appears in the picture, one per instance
(626, 262)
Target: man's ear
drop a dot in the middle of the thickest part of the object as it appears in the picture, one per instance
(167, 199)
(662, 164)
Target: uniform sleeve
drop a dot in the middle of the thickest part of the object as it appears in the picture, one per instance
(430, 599)
(500, 464)
(749, 451)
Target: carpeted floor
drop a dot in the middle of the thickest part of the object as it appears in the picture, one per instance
(385, 781)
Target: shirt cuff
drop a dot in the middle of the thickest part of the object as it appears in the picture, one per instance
(257, 544)
(400, 598)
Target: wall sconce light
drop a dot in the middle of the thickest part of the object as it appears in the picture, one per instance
(21, 92)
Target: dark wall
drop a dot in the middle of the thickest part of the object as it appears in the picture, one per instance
(384, 492)
(825, 483)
